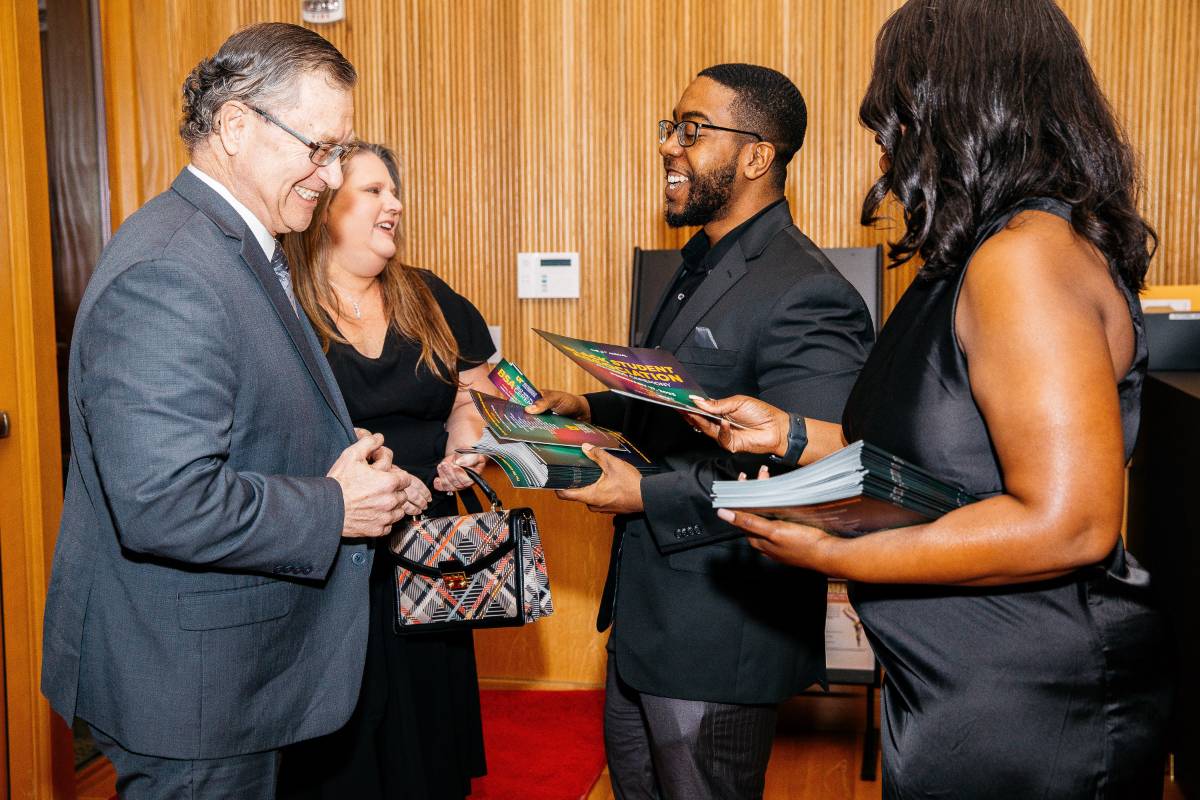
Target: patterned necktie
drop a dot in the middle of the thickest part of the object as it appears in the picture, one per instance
(280, 265)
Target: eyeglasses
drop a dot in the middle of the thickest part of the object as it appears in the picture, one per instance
(320, 153)
(687, 131)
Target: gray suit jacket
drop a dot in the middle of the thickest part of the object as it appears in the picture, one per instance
(202, 603)
(697, 613)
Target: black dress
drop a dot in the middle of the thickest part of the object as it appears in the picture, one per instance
(416, 733)
(1057, 689)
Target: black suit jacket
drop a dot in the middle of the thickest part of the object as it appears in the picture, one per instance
(697, 613)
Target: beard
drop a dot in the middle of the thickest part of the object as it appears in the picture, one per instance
(707, 197)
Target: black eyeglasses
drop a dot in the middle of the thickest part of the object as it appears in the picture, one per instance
(687, 131)
(320, 153)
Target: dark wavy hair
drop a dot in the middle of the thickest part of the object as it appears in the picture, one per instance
(767, 103)
(980, 104)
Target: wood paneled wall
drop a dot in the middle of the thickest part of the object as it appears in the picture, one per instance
(529, 125)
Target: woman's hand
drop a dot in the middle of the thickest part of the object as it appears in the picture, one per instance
(413, 495)
(764, 428)
(786, 542)
(451, 477)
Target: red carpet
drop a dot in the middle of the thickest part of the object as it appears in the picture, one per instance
(541, 745)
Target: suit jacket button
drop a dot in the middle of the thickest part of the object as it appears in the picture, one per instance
(359, 558)
(307, 569)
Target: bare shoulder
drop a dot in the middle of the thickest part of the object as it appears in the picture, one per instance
(1039, 271)
(1042, 251)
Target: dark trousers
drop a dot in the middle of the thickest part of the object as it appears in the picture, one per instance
(663, 748)
(416, 733)
(141, 777)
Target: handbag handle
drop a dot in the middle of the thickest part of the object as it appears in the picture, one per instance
(470, 501)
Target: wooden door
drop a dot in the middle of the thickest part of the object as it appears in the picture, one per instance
(37, 746)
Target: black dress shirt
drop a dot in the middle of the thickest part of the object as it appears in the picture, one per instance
(699, 258)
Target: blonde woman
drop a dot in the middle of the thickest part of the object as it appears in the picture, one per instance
(405, 348)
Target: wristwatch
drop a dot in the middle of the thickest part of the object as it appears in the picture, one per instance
(797, 440)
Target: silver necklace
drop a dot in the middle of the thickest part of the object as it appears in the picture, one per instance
(357, 304)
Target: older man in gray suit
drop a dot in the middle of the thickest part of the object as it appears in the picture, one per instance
(208, 603)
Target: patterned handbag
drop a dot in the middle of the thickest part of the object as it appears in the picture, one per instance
(475, 570)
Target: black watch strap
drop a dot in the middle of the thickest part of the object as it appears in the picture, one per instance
(797, 440)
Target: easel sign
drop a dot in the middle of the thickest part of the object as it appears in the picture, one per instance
(848, 656)
(849, 660)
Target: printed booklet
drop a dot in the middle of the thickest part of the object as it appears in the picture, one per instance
(855, 490)
(509, 422)
(547, 466)
(640, 372)
(544, 451)
(512, 383)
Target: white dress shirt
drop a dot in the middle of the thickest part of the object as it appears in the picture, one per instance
(264, 237)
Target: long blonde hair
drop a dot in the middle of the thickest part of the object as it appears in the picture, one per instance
(408, 303)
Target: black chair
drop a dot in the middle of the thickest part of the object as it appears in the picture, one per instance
(654, 269)
(863, 267)
(652, 274)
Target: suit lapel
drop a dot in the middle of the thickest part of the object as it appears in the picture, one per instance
(338, 403)
(305, 342)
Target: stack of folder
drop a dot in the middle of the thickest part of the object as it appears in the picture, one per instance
(531, 465)
(858, 489)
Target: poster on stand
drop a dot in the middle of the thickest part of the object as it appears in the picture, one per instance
(848, 656)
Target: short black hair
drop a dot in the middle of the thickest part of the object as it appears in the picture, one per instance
(767, 103)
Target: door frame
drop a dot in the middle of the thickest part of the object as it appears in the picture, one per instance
(39, 760)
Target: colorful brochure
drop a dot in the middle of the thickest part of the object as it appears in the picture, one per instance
(513, 384)
(549, 466)
(509, 422)
(639, 372)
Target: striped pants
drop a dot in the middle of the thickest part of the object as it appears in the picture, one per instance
(663, 748)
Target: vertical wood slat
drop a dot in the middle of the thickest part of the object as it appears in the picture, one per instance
(528, 125)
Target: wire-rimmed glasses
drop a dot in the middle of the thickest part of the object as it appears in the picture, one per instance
(320, 153)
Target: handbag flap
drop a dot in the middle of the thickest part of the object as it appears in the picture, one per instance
(476, 541)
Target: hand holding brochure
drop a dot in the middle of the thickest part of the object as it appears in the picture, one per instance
(512, 383)
(858, 489)
(509, 422)
(544, 451)
(548, 466)
(640, 372)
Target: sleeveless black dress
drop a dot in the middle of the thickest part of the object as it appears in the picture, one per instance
(1058, 689)
(417, 732)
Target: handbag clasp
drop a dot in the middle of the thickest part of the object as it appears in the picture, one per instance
(454, 574)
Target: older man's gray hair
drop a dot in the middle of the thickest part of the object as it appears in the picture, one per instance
(258, 66)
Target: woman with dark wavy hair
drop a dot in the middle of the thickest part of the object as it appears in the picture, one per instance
(1024, 655)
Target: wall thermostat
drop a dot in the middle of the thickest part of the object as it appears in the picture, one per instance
(547, 275)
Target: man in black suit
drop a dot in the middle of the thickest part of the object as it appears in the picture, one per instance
(709, 636)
